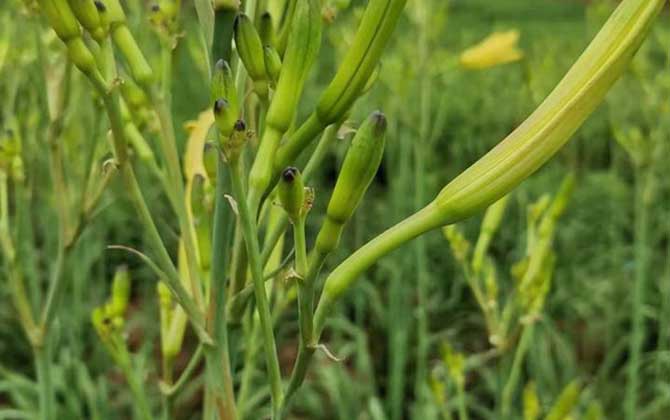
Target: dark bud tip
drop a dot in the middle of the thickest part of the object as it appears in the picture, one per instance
(236, 22)
(220, 64)
(219, 105)
(240, 125)
(289, 175)
(100, 6)
(266, 16)
(155, 7)
(379, 120)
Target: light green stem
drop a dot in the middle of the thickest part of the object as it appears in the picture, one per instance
(250, 234)
(515, 373)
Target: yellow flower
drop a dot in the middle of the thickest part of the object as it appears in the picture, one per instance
(496, 49)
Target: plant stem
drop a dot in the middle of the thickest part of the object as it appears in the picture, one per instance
(218, 359)
(43, 368)
(250, 234)
(347, 272)
(639, 291)
(515, 372)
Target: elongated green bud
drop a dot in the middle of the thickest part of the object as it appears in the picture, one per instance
(224, 98)
(379, 21)
(232, 146)
(303, 47)
(362, 58)
(223, 84)
(63, 21)
(292, 193)
(523, 152)
(61, 18)
(87, 14)
(266, 29)
(120, 293)
(566, 402)
(358, 170)
(272, 63)
(556, 119)
(249, 47)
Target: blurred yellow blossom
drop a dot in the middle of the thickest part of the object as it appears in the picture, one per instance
(496, 49)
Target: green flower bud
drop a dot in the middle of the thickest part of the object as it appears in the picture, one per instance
(579, 93)
(233, 145)
(492, 220)
(301, 52)
(292, 193)
(266, 29)
(249, 47)
(272, 63)
(225, 117)
(360, 62)
(87, 14)
(113, 13)
(379, 21)
(358, 170)
(120, 293)
(224, 97)
(210, 156)
(61, 18)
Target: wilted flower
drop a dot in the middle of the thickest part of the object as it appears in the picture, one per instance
(496, 49)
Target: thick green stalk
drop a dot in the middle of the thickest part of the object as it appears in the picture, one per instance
(249, 230)
(642, 260)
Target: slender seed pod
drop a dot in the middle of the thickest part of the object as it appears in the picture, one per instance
(362, 58)
(523, 151)
(249, 47)
(266, 29)
(87, 14)
(358, 170)
(301, 53)
(120, 293)
(291, 192)
(272, 63)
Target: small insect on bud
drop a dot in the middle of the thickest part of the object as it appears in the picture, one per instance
(292, 193)
(249, 47)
